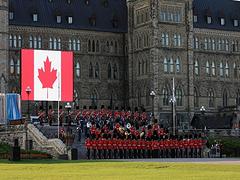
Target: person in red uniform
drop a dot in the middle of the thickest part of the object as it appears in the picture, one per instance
(114, 144)
(94, 147)
(110, 148)
(100, 148)
(88, 145)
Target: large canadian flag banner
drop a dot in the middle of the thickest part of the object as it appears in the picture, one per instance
(48, 75)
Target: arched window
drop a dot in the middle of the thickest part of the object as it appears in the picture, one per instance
(143, 66)
(196, 67)
(12, 69)
(30, 41)
(213, 69)
(18, 67)
(54, 43)
(221, 69)
(196, 98)
(116, 47)
(39, 42)
(175, 39)
(97, 46)
(19, 41)
(196, 43)
(207, 68)
(74, 44)
(107, 47)
(89, 46)
(97, 71)
(14, 41)
(235, 70)
(210, 44)
(227, 45)
(179, 96)
(59, 44)
(115, 72)
(219, 45)
(111, 47)
(90, 70)
(211, 98)
(205, 44)
(35, 45)
(213, 45)
(225, 98)
(93, 46)
(165, 94)
(10, 41)
(167, 40)
(165, 65)
(171, 65)
(93, 98)
(178, 65)
(50, 43)
(109, 71)
(70, 44)
(78, 45)
(78, 69)
(238, 98)
(139, 67)
(227, 70)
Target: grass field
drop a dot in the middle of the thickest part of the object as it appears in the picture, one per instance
(50, 169)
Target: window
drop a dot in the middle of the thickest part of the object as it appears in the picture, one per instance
(227, 70)
(35, 17)
(78, 69)
(177, 65)
(70, 19)
(196, 98)
(225, 98)
(227, 45)
(207, 68)
(19, 41)
(14, 41)
(93, 98)
(211, 98)
(165, 94)
(165, 39)
(213, 69)
(165, 65)
(93, 46)
(12, 66)
(234, 70)
(209, 19)
(97, 71)
(35, 42)
(30, 41)
(196, 68)
(109, 71)
(213, 45)
(221, 69)
(90, 70)
(195, 18)
(59, 43)
(18, 67)
(115, 72)
(171, 65)
(179, 96)
(205, 44)
(39, 42)
(235, 22)
(10, 41)
(50, 43)
(97, 46)
(78, 45)
(54, 43)
(139, 67)
(59, 19)
(74, 44)
(11, 15)
(238, 98)
(222, 21)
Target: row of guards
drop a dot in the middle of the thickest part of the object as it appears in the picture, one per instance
(118, 148)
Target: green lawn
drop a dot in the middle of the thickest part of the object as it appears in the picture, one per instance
(50, 169)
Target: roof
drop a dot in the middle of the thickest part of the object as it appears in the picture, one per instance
(227, 9)
(81, 12)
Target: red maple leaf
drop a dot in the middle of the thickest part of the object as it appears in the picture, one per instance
(47, 77)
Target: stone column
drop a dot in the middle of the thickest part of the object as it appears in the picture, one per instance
(3, 45)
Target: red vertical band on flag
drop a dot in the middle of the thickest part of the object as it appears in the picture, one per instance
(66, 76)
(27, 74)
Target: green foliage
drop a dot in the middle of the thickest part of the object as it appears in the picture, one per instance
(4, 148)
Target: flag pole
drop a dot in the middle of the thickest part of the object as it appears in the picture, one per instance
(58, 104)
(173, 109)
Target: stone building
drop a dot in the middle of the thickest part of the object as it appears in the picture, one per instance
(123, 50)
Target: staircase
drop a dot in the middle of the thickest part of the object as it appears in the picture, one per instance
(55, 146)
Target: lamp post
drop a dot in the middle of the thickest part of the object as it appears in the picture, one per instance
(152, 94)
(68, 132)
(28, 91)
(173, 101)
(202, 110)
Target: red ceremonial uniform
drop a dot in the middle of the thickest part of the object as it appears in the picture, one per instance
(88, 144)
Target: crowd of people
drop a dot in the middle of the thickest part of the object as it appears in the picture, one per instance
(125, 134)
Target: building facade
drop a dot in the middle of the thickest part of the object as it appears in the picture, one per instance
(123, 50)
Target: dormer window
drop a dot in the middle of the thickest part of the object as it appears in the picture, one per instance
(35, 17)
(11, 15)
(87, 2)
(69, 1)
(115, 21)
(92, 20)
(70, 19)
(222, 21)
(59, 19)
(235, 23)
(209, 19)
(105, 3)
(195, 18)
